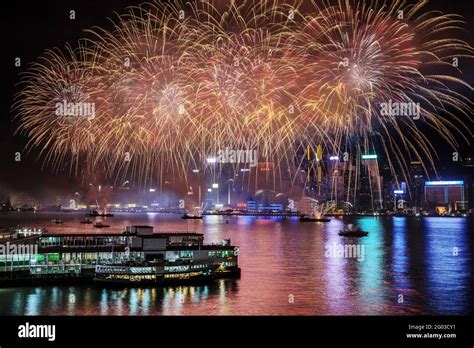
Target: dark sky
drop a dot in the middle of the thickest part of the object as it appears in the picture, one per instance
(30, 27)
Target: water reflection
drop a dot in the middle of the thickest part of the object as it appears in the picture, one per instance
(285, 271)
(338, 290)
(400, 260)
(447, 266)
(371, 271)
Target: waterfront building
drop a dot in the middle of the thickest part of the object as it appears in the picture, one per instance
(467, 169)
(369, 197)
(253, 206)
(417, 180)
(336, 171)
(449, 194)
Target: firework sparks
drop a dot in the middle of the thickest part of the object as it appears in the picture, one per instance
(174, 83)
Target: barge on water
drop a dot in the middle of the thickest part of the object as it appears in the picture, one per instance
(137, 256)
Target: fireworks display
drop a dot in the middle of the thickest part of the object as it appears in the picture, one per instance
(171, 84)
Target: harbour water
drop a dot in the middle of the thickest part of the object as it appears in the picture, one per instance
(405, 266)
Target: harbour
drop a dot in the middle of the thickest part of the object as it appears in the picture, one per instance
(426, 260)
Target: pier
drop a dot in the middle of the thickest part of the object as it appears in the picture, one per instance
(74, 258)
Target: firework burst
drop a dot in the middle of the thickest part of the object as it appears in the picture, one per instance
(174, 83)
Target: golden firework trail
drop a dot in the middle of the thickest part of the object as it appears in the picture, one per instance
(174, 83)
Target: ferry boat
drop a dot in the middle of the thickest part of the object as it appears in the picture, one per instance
(191, 217)
(160, 259)
(305, 218)
(95, 213)
(350, 231)
(136, 257)
(156, 274)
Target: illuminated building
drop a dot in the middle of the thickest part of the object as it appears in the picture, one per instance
(370, 192)
(448, 193)
(417, 178)
(336, 171)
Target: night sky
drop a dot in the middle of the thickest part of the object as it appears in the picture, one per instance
(30, 27)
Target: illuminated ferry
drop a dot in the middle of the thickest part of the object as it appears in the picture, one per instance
(169, 258)
(135, 256)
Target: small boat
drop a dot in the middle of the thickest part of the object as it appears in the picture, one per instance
(352, 232)
(191, 217)
(86, 221)
(57, 221)
(305, 218)
(95, 213)
(100, 225)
